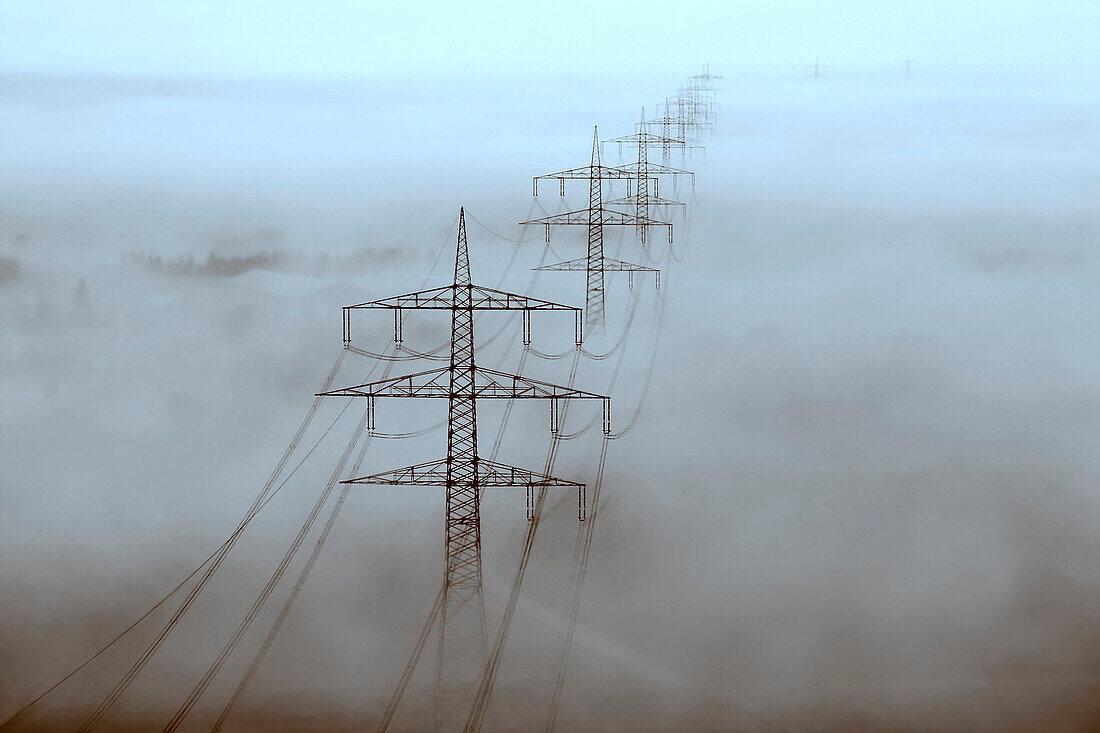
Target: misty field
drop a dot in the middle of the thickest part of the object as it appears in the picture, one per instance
(861, 494)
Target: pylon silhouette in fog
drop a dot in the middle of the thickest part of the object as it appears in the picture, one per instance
(463, 644)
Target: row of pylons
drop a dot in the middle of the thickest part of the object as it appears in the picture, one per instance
(462, 672)
(466, 662)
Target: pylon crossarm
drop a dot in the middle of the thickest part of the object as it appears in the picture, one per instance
(646, 201)
(706, 75)
(693, 105)
(421, 384)
(488, 383)
(481, 298)
(584, 173)
(608, 264)
(707, 89)
(496, 384)
(490, 299)
(608, 217)
(705, 96)
(647, 138)
(670, 121)
(432, 298)
(657, 169)
(489, 473)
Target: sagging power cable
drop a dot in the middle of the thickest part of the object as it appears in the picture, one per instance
(176, 589)
(128, 678)
(485, 688)
(288, 604)
(258, 604)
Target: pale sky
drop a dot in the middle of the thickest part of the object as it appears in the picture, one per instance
(342, 37)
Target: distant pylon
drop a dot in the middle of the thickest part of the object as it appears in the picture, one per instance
(642, 199)
(676, 124)
(706, 80)
(594, 264)
(694, 110)
(462, 640)
(818, 71)
(666, 140)
(910, 67)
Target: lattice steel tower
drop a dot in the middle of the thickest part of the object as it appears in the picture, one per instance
(462, 638)
(681, 118)
(594, 263)
(642, 199)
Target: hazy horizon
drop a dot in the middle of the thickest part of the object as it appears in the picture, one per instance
(860, 494)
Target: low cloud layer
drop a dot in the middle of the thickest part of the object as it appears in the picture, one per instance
(860, 495)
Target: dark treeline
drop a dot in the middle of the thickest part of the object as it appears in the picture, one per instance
(9, 270)
(216, 265)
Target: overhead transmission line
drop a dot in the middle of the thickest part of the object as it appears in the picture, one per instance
(276, 576)
(176, 589)
(214, 561)
(481, 699)
(303, 575)
(477, 713)
(223, 548)
(265, 496)
(230, 646)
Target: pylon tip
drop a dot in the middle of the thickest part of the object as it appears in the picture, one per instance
(462, 256)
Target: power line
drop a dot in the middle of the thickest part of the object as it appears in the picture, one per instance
(194, 572)
(258, 604)
(463, 472)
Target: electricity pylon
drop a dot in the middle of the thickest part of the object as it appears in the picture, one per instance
(463, 646)
(679, 125)
(666, 140)
(642, 199)
(596, 217)
(703, 86)
(691, 112)
(655, 170)
(706, 80)
(817, 71)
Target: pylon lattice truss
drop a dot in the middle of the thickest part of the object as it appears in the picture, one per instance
(681, 120)
(462, 638)
(596, 217)
(680, 115)
(443, 298)
(463, 474)
(583, 173)
(705, 80)
(642, 199)
(641, 136)
(695, 101)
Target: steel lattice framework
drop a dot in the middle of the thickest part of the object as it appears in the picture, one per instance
(594, 263)
(705, 80)
(462, 637)
(666, 140)
(682, 120)
(696, 101)
(642, 199)
(582, 173)
(465, 673)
